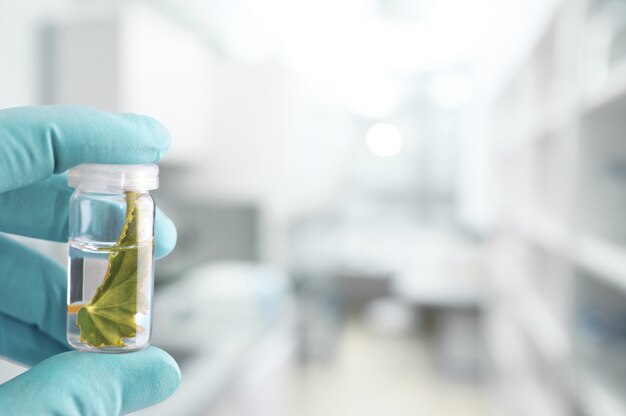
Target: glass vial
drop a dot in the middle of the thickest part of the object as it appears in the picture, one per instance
(111, 257)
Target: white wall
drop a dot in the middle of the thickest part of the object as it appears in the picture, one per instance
(19, 46)
(273, 142)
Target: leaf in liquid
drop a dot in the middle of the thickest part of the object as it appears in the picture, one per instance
(110, 316)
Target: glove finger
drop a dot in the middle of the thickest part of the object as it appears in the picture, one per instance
(26, 344)
(40, 210)
(79, 383)
(40, 141)
(34, 289)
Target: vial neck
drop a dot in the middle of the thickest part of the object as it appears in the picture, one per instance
(109, 190)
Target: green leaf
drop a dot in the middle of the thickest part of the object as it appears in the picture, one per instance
(110, 316)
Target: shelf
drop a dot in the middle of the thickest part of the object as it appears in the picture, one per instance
(550, 121)
(550, 153)
(595, 399)
(610, 96)
(505, 345)
(541, 229)
(538, 402)
(531, 317)
(605, 259)
(542, 327)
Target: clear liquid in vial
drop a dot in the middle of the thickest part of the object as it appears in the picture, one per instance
(88, 265)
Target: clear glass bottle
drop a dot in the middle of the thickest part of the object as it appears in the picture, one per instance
(111, 257)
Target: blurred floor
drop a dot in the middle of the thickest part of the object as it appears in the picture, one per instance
(372, 375)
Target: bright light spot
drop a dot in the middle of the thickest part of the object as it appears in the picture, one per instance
(384, 139)
(451, 90)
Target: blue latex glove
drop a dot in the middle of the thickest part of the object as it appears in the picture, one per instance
(37, 144)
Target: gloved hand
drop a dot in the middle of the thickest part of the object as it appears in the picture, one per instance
(37, 144)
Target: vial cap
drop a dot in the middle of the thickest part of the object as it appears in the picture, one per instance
(114, 178)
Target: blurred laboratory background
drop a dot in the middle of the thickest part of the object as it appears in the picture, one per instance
(384, 207)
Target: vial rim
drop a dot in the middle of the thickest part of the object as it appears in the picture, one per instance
(114, 178)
